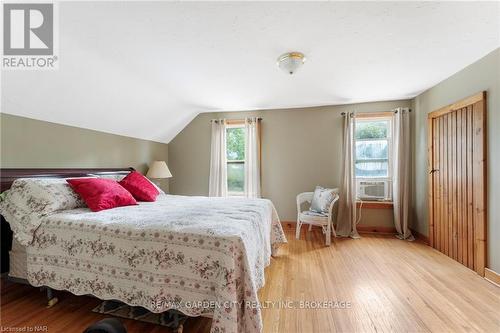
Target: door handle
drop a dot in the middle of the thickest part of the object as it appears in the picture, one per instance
(433, 170)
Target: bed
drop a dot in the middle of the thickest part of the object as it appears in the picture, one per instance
(202, 256)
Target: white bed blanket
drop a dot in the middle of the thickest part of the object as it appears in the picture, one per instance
(202, 256)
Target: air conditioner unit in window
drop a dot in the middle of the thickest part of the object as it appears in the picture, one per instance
(373, 190)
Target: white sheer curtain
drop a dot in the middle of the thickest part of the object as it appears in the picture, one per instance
(252, 157)
(346, 221)
(217, 186)
(401, 181)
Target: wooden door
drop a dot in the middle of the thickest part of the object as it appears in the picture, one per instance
(457, 181)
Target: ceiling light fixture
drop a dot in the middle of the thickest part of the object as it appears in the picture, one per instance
(291, 61)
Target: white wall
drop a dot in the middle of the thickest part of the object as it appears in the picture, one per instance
(301, 148)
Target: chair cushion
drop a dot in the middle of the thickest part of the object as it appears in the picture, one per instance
(313, 217)
(322, 198)
(316, 214)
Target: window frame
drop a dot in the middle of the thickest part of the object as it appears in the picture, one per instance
(230, 125)
(367, 117)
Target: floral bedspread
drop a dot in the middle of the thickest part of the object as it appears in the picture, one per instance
(202, 256)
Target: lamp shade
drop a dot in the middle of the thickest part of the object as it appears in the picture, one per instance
(158, 169)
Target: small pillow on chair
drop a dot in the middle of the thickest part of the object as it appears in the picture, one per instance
(322, 198)
(139, 186)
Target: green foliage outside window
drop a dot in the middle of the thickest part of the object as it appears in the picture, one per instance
(235, 177)
(235, 141)
(371, 129)
(372, 149)
(235, 149)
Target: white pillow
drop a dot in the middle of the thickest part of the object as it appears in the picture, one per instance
(30, 199)
(114, 176)
(119, 177)
(322, 198)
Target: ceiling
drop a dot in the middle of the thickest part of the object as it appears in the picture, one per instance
(146, 69)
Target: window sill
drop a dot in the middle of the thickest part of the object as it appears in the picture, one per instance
(236, 194)
(375, 204)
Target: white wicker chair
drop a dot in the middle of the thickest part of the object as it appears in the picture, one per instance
(325, 222)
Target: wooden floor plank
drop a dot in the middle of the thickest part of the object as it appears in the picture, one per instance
(391, 286)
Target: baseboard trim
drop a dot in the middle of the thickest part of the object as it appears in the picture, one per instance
(369, 229)
(360, 227)
(288, 223)
(492, 276)
(420, 237)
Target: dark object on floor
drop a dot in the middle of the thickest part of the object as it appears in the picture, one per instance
(172, 319)
(108, 325)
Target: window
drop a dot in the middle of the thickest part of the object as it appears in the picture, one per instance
(373, 157)
(235, 154)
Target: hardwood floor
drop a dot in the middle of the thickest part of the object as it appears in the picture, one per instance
(387, 285)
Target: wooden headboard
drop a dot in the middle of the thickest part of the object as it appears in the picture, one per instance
(7, 177)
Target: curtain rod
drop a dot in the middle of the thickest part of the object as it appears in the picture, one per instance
(395, 111)
(258, 118)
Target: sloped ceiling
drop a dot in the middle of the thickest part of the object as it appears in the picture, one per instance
(145, 69)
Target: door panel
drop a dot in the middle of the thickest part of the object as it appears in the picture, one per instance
(457, 181)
